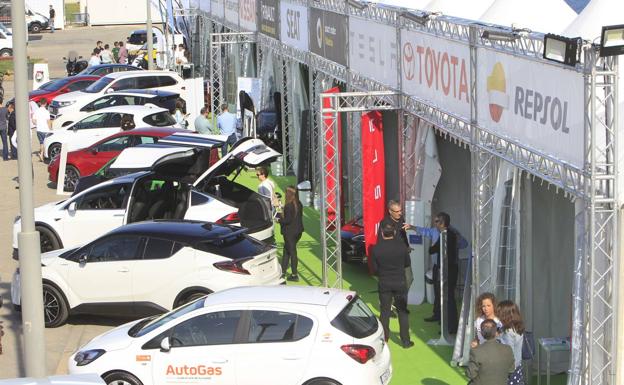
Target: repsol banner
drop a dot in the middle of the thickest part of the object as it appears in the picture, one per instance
(373, 177)
(328, 35)
(541, 108)
(436, 70)
(217, 9)
(269, 18)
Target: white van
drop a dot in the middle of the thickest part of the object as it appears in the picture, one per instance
(6, 44)
(35, 21)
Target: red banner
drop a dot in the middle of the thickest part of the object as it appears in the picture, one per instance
(373, 177)
(331, 167)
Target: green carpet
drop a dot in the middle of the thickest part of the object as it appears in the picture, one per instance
(421, 364)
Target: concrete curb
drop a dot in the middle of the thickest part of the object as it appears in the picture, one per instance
(73, 343)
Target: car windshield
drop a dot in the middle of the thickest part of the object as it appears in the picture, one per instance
(54, 85)
(149, 324)
(98, 85)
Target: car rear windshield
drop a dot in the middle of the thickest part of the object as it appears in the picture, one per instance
(54, 84)
(99, 85)
(160, 119)
(236, 247)
(356, 319)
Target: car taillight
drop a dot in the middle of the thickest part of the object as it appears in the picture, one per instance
(232, 266)
(360, 353)
(229, 219)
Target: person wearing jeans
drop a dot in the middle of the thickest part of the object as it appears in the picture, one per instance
(291, 222)
(226, 122)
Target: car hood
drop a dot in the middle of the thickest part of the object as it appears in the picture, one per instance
(74, 95)
(47, 208)
(115, 339)
(51, 256)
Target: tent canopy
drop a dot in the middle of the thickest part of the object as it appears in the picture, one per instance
(596, 14)
(472, 9)
(537, 15)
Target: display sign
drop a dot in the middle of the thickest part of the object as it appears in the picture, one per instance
(329, 162)
(231, 12)
(373, 50)
(436, 70)
(247, 13)
(542, 108)
(217, 8)
(373, 177)
(328, 35)
(269, 18)
(294, 25)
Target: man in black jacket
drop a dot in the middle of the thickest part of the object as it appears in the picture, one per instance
(390, 258)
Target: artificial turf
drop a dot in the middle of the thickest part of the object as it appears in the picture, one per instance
(420, 365)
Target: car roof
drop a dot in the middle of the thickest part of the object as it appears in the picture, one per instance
(310, 295)
(154, 131)
(182, 231)
(144, 92)
(117, 75)
(133, 109)
(109, 65)
(84, 77)
(148, 155)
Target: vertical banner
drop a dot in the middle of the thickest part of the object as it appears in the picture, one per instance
(328, 35)
(269, 18)
(332, 168)
(373, 178)
(247, 15)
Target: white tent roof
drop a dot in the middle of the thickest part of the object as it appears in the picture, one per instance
(471, 9)
(597, 13)
(537, 15)
(411, 4)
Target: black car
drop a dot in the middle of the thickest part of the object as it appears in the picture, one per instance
(105, 69)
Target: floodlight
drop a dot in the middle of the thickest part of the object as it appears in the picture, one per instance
(499, 35)
(612, 40)
(357, 4)
(420, 18)
(561, 49)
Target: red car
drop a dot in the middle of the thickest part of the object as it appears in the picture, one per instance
(89, 160)
(56, 87)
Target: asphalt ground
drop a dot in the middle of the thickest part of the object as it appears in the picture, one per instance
(62, 341)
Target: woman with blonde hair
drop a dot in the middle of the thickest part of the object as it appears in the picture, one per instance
(486, 309)
(512, 331)
(291, 221)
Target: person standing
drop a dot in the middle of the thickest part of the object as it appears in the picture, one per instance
(44, 124)
(123, 53)
(180, 55)
(201, 123)
(106, 56)
(115, 51)
(390, 258)
(266, 187)
(95, 58)
(490, 363)
(179, 115)
(226, 122)
(486, 308)
(512, 331)
(4, 131)
(395, 218)
(291, 221)
(11, 128)
(52, 17)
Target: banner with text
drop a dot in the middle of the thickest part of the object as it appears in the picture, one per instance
(217, 9)
(328, 35)
(231, 12)
(332, 168)
(269, 18)
(373, 50)
(294, 25)
(248, 15)
(541, 108)
(436, 70)
(373, 177)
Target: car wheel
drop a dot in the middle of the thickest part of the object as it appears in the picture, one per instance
(121, 378)
(55, 310)
(47, 239)
(54, 150)
(72, 175)
(322, 381)
(6, 52)
(35, 28)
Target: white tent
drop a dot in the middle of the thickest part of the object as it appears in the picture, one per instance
(596, 14)
(472, 9)
(537, 15)
(411, 4)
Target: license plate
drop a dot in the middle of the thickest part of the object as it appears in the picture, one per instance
(385, 377)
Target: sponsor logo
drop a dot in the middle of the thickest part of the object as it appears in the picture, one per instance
(497, 92)
(143, 357)
(319, 32)
(292, 21)
(197, 370)
(248, 10)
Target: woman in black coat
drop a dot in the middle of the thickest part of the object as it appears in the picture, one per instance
(291, 221)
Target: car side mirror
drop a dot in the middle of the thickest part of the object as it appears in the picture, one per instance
(165, 345)
(71, 208)
(82, 259)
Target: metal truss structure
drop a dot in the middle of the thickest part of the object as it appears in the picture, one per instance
(340, 102)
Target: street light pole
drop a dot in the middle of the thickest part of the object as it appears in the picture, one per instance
(28, 238)
(150, 39)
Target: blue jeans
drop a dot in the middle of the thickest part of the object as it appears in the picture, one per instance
(5, 148)
(230, 141)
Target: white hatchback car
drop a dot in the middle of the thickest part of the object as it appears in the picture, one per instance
(247, 336)
(149, 268)
(102, 123)
(117, 81)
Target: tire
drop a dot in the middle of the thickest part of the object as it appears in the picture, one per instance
(35, 27)
(190, 297)
(72, 175)
(48, 241)
(322, 381)
(54, 150)
(55, 309)
(6, 52)
(120, 378)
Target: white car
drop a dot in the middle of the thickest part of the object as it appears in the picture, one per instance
(149, 268)
(179, 185)
(274, 335)
(118, 81)
(82, 379)
(102, 123)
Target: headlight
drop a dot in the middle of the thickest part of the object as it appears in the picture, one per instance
(17, 218)
(88, 356)
(65, 104)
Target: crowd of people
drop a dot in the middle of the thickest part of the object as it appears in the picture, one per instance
(103, 54)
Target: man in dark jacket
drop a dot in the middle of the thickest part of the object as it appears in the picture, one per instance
(395, 218)
(390, 258)
(490, 363)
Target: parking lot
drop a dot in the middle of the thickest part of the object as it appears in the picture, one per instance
(60, 342)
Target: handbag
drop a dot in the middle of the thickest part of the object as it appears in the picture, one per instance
(528, 345)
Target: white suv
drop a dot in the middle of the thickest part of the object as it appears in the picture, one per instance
(117, 81)
(274, 335)
(149, 268)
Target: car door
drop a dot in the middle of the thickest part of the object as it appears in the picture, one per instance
(278, 341)
(94, 212)
(97, 155)
(203, 351)
(90, 129)
(110, 260)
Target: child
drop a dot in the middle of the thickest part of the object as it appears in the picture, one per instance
(486, 308)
